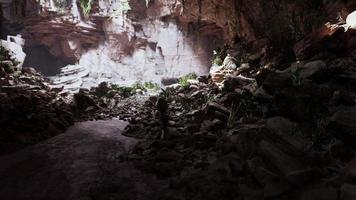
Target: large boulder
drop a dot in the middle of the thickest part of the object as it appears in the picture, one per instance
(275, 81)
(14, 45)
(344, 125)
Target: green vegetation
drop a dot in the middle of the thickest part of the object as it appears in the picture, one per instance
(124, 91)
(217, 61)
(122, 8)
(219, 55)
(86, 6)
(127, 91)
(7, 64)
(151, 86)
(61, 4)
(3, 53)
(183, 81)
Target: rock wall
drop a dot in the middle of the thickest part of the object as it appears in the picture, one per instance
(126, 41)
(142, 43)
(282, 22)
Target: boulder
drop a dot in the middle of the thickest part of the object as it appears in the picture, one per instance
(14, 45)
(320, 194)
(323, 39)
(282, 132)
(233, 82)
(350, 172)
(283, 162)
(312, 70)
(348, 192)
(343, 123)
(277, 80)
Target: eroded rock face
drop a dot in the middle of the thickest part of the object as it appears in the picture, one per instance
(120, 43)
(281, 22)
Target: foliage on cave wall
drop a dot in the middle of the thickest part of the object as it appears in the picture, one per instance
(86, 6)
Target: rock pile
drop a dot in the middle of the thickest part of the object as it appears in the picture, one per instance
(30, 111)
(287, 135)
(108, 101)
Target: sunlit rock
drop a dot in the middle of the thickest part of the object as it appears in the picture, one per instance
(229, 63)
(350, 21)
(14, 44)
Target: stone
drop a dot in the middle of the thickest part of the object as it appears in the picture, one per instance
(302, 177)
(262, 74)
(233, 82)
(312, 69)
(343, 98)
(350, 21)
(343, 123)
(83, 100)
(282, 130)
(350, 172)
(317, 41)
(261, 94)
(283, 162)
(341, 64)
(229, 63)
(168, 156)
(213, 107)
(348, 192)
(273, 189)
(102, 89)
(197, 94)
(217, 77)
(319, 194)
(203, 79)
(276, 81)
(15, 49)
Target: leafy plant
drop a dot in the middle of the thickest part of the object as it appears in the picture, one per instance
(138, 86)
(124, 91)
(61, 4)
(9, 66)
(122, 8)
(219, 55)
(183, 81)
(217, 61)
(151, 86)
(86, 6)
(4, 54)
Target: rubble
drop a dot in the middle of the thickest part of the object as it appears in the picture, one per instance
(272, 133)
(29, 110)
(249, 130)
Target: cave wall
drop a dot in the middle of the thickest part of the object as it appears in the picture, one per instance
(146, 43)
(166, 38)
(281, 22)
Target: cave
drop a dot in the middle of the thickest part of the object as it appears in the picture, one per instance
(177, 100)
(43, 61)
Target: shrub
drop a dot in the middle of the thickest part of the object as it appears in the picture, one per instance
(124, 91)
(183, 81)
(151, 86)
(86, 6)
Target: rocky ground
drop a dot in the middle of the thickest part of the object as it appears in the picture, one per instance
(289, 134)
(264, 129)
(30, 111)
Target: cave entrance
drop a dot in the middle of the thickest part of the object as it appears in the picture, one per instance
(43, 61)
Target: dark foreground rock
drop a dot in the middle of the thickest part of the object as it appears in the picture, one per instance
(30, 111)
